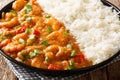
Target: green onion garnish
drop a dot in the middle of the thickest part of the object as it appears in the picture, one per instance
(71, 67)
(13, 12)
(36, 51)
(66, 33)
(28, 8)
(15, 27)
(29, 41)
(73, 53)
(2, 37)
(24, 55)
(32, 54)
(28, 18)
(49, 29)
(45, 42)
(47, 16)
(32, 37)
(46, 58)
(27, 31)
(22, 41)
(69, 46)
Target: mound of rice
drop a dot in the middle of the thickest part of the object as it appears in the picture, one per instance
(95, 27)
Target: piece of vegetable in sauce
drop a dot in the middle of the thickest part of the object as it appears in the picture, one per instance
(28, 31)
(24, 55)
(45, 42)
(47, 15)
(21, 30)
(28, 8)
(37, 51)
(22, 41)
(36, 33)
(32, 55)
(79, 57)
(71, 67)
(46, 58)
(32, 37)
(2, 37)
(29, 41)
(49, 29)
(13, 12)
(15, 27)
(28, 18)
(73, 53)
(66, 33)
(69, 46)
(9, 35)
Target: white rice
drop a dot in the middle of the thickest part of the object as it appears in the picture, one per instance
(95, 27)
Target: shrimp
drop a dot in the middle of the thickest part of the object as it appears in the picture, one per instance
(50, 55)
(57, 35)
(55, 49)
(38, 62)
(13, 47)
(5, 42)
(8, 16)
(52, 48)
(10, 23)
(39, 23)
(36, 10)
(61, 52)
(3, 29)
(54, 23)
(18, 36)
(65, 64)
(19, 4)
(31, 48)
(11, 32)
(53, 35)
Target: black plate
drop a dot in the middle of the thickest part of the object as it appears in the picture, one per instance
(61, 72)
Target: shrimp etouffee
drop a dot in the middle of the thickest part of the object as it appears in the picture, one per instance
(36, 38)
